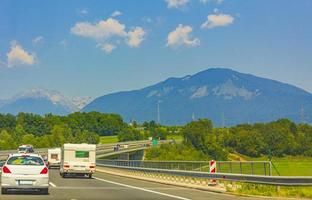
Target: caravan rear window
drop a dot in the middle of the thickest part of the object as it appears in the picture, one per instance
(82, 154)
(54, 156)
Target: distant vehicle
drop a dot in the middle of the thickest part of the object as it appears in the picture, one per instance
(26, 149)
(78, 159)
(26, 172)
(54, 157)
(117, 147)
(125, 146)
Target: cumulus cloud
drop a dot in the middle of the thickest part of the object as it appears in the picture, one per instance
(182, 36)
(217, 20)
(37, 40)
(207, 1)
(101, 30)
(176, 3)
(135, 37)
(108, 48)
(18, 56)
(105, 31)
(116, 13)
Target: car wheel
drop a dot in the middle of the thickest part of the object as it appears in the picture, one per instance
(90, 175)
(4, 191)
(45, 191)
(63, 175)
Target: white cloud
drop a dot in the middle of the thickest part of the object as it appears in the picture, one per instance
(101, 30)
(108, 48)
(181, 36)
(116, 13)
(176, 3)
(207, 1)
(82, 12)
(18, 56)
(217, 20)
(37, 40)
(105, 31)
(135, 37)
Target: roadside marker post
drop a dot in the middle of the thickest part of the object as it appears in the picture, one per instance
(212, 170)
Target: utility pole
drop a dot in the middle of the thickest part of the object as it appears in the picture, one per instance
(193, 116)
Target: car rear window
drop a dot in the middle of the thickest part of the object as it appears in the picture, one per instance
(25, 160)
(82, 154)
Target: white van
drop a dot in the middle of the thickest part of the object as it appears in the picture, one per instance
(78, 159)
(54, 157)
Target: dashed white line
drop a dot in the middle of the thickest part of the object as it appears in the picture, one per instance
(143, 189)
(52, 184)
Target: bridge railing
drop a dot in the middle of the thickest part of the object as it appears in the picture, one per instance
(178, 170)
(232, 167)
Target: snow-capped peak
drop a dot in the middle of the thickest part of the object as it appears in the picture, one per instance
(57, 98)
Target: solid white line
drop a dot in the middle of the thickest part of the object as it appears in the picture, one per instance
(52, 184)
(143, 189)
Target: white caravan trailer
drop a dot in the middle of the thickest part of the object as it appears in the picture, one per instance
(54, 157)
(78, 159)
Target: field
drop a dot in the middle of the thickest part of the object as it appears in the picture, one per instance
(175, 137)
(108, 139)
(290, 165)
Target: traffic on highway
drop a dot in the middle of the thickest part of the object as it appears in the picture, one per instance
(28, 175)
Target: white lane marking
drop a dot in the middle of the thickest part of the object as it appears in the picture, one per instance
(143, 189)
(52, 184)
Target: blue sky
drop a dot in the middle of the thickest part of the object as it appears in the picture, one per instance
(91, 48)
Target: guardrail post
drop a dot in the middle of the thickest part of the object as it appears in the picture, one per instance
(270, 165)
(265, 172)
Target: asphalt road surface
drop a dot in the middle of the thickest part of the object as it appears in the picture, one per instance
(105, 186)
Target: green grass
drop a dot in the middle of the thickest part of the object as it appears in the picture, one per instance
(288, 165)
(268, 190)
(175, 137)
(293, 166)
(108, 139)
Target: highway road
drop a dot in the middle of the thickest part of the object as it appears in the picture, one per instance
(105, 186)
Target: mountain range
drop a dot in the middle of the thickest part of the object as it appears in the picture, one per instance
(42, 101)
(225, 96)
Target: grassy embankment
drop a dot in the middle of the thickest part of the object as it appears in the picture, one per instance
(285, 166)
(108, 139)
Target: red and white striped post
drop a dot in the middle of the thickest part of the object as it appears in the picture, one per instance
(212, 170)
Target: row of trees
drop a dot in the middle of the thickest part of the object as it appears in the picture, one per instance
(281, 137)
(278, 138)
(52, 131)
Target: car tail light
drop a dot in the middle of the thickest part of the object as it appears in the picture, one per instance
(5, 170)
(66, 166)
(92, 167)
(44, 171)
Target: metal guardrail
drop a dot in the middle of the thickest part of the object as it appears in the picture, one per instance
(232, 167)
(261, 179)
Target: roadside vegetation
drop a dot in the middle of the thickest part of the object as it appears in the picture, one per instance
(269, 190)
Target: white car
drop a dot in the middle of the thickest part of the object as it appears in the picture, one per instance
(24, 172)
